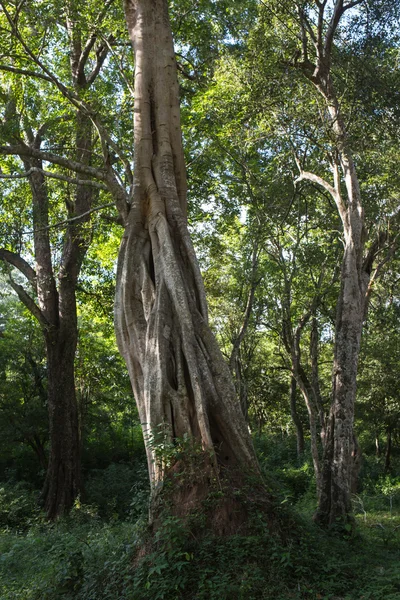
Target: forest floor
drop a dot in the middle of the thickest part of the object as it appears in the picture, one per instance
(94, 553)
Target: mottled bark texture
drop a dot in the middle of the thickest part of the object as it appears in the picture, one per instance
(335, 499)
(337, 470)
(181, 382)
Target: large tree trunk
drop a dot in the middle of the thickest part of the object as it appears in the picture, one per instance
(182, 385)
(335, 500)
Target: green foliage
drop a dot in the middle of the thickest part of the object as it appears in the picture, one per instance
(23, 411)
(18, 506)
(104, 549)
(82, 558)
(117, 491)
(292, 483)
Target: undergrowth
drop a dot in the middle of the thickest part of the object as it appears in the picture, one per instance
(103, 550)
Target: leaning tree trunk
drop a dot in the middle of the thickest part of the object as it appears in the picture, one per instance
(182, 385)
(309, 399)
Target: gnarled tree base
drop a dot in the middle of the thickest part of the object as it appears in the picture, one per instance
(209, 499)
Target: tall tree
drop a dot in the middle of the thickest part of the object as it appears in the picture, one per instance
(316, 64)
(325, 132)
(180, 379)
(53, 298)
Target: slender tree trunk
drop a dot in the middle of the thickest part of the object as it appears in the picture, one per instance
(291, 339)
(314, 340)
(309, 400)
(296, 419)
(240, 384)
(235, 362)
(378, 450)
(37, 446)
(182, 385)
(388, 451)
(356, 465)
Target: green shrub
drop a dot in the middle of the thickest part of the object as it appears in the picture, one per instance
(18, 506)
(113, 489)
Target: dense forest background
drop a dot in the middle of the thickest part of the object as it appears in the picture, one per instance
(290, 121)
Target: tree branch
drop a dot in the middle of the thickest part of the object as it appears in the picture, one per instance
(25, 150)
(25, 72)
(119, 64)
(333, 24)
(30, 304)
(19, 263)
(101, 56)
(71, 96)
(306, 175)
(58, 176)
(71, 220)
(93, 37)
(28, 301)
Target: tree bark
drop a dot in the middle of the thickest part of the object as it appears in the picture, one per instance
(315, 381)
(378, 450)
(58, 318)
(296, 419)
(334, 506)
(335, 501)
(182, 385)
(63, 479)
(63, 483)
